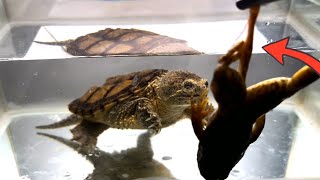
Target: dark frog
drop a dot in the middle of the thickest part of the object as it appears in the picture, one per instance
(240, 117)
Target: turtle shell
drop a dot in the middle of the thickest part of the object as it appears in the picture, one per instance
(125, 42)
(99, 100)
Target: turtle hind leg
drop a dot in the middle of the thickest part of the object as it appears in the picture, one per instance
(87, 132)
(71, 120)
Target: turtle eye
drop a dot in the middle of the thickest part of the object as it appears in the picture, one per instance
(188, 85)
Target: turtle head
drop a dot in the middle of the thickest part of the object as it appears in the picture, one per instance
(178, 87)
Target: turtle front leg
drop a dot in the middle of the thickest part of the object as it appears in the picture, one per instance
(87, 132)
(148, 117)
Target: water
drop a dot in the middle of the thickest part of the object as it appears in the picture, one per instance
(171, 154)
(43, 98)
(35, 92)
(39, 157)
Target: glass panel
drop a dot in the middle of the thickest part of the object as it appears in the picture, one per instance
(38, 81)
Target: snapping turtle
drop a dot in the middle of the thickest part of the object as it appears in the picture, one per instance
(149, 99)
(240, 117)
(126, 42)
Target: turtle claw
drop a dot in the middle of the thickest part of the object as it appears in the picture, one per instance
(155, 128)
(149, 119)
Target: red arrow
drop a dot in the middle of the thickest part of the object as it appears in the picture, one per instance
(279, 48)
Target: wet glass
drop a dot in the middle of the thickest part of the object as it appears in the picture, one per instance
(38, 81)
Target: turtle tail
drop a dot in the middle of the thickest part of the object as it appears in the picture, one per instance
(71, 120)
(57, 43)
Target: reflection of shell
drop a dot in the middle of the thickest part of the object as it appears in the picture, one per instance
(117, 42)
(114, 91)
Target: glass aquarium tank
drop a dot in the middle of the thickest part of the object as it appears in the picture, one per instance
(38, 81)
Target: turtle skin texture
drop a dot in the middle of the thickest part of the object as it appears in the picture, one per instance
(148, 99)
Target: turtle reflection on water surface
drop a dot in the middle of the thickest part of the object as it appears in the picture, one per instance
(124, 42)
(240, 116)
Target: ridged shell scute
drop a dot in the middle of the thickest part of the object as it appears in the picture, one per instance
(115, 90)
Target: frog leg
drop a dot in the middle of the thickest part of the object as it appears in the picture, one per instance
(232, 55)
(301, 79)
(266, 95)
(246, 50)
(242, 50)
(257, 128)
(87, 132)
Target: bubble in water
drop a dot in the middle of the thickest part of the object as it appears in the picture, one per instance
(267, 23)
(35, 73)
(109, 145)
(235, 173)
(270, 41)
(166, 158)
(67, 174)
(271, 150)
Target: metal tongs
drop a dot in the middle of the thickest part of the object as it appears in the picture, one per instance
(245, 4)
